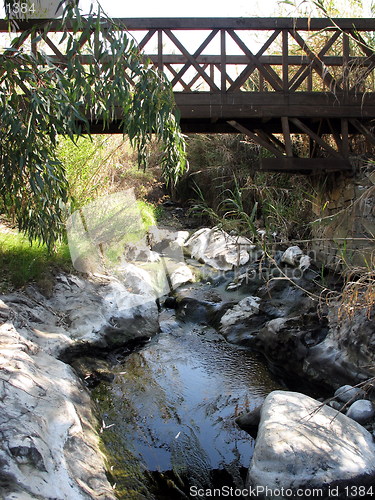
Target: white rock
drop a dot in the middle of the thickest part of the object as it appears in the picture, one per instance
(244, 309)
(219, 249)
(303, 445)
(292, 256)
(48, 448)
(347, 393)
(305, 262)
(180, 275)
(361, 411)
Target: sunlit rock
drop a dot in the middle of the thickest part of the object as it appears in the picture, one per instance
(49, 447)
(219, 249)
(303, 444)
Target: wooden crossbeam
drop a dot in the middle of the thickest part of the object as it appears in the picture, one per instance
(146, 38)
(315, 137)
(185, 86)
(192, 58)
(316, 61)
(52, 46)
(362, 129)
(246, 73)
(256, 138)
(304, 165)
(270, 75)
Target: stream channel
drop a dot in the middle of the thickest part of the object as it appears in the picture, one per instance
(169, 414)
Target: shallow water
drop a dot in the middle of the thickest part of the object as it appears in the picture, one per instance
(172, 406)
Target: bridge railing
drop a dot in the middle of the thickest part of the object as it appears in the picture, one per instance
(229, 55)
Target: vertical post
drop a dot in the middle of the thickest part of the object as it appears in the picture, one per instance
(160, 50)
(286, 133)
(285, 34)
(34, 44)
(345, 137)
(261, 82)
(212, 72)
(345, 66)
(310, 81)
(223, 68)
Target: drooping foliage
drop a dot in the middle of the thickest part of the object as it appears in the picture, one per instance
(103, 75)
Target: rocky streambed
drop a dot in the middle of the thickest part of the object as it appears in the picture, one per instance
(173, 349)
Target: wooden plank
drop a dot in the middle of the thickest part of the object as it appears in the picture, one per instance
(345, 137)
(336, 135)
(287, 138)
(256, 138)
(345, 62)
(315, 137)
(285, 65)
(223, 64)
(265, 60)
(160, 50)
(307, 165)
(191, 23)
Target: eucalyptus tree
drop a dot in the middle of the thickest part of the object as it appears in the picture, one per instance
(104, 74)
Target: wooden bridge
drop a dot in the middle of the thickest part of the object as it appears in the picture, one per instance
(268, 78)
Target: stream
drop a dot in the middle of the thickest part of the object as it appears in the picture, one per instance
(169, 414)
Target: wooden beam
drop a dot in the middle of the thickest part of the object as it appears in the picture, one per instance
(345, 137)
(160, 50)
(285, 61)
(194, 23)
(363, 130)
(315, 137)
(256, 138)
(223, 64)
(287, 138)
(304, 165)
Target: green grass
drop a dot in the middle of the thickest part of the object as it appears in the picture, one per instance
(22, 263)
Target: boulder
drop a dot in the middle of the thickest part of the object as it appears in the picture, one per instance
(219, 249)
(180, 275)
(49, 447)
(292, 256)
(303, 444)
(240, 323)
(347, 355)
(362, 411)
(347, 393)
(245, 308)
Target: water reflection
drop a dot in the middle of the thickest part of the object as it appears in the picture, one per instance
(174, 402)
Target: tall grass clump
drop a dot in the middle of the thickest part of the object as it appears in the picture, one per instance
(225, 188)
